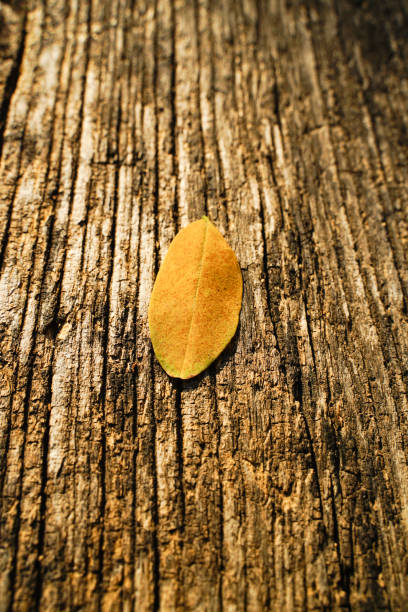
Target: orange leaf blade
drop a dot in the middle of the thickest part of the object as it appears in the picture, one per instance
(196, 300)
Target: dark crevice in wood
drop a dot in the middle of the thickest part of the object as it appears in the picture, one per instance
(43, 495)
(265, 253)
(105, 367)
(309, 332)
(345, 578)
(232, 42)
(11, 83)
(4, 109)
(276, 100)
(155, 508)
(135, 411)
(17, 525)
(260, 16)
(243, 519)
(274, 309)
(221, 562)
(223, 192)
(198, 86)
(135, 365)
(84, 223)
(350, 571)
(299, 398)
(180, 453)
(265, 269)
(156, 201)
(74, 396)
(133, 521)
(173, 125)
(153, 424)
(305, 602)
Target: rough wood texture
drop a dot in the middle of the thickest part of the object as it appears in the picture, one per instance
(278, 479)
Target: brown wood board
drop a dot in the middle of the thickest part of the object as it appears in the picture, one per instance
(278, 478)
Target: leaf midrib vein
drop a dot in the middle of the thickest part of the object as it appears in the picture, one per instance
(195, 297)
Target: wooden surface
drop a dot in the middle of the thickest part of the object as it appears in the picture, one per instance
(278, 479)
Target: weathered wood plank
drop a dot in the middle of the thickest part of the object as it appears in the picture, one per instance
(278, 478)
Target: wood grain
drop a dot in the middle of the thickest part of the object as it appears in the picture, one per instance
(277, 479)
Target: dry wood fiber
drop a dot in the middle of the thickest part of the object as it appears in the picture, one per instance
(276, 480)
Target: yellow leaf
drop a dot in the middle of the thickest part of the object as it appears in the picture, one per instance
(196, 300)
